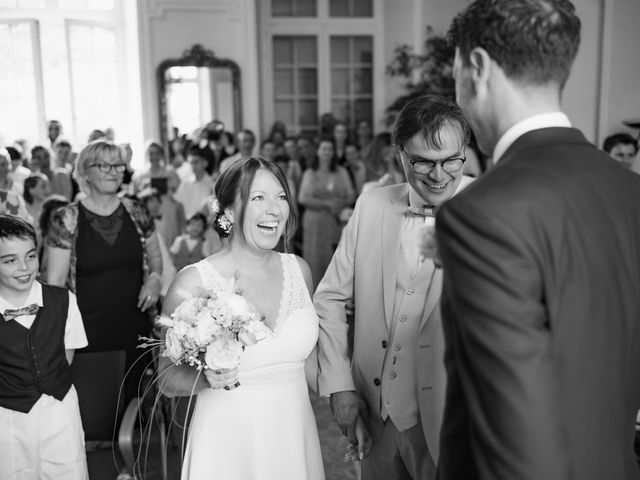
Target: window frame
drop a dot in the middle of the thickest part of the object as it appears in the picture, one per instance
(322, 27)
(52, 15)
(120, 52)
(34, 27)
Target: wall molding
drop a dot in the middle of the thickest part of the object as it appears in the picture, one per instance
(154, 9)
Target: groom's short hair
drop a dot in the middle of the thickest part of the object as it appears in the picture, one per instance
(533, 41)
(429, 114)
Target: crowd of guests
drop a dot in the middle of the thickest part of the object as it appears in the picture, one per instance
(326, 174)
(107, 231)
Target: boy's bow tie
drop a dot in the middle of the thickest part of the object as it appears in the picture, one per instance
(12, 313)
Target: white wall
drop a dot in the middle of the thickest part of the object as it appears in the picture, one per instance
(400, 27)
(602, 91)
(621, 66)
(581, 98)
(227, 27)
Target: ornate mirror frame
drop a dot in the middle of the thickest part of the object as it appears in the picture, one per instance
(198, 56)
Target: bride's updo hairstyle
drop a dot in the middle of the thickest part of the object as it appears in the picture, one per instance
(235, 183)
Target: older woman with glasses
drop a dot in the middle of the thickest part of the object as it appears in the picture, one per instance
(105, 249)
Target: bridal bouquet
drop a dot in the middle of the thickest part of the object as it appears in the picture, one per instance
(211, 330)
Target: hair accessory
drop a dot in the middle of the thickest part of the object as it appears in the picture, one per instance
(214, 205)
(219, 219)
(224, 224)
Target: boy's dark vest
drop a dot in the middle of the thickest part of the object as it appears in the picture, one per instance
(185, 256)
(33, 362)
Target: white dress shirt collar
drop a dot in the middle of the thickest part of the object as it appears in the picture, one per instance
(535, 122)
(35, 296)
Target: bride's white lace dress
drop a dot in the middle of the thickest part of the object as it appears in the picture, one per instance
(264, 429)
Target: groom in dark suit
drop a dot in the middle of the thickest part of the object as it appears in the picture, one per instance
(541, 300)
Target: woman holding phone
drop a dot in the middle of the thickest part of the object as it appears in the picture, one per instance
(163, 177)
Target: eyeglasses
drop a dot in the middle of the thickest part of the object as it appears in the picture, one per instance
(108, 167)
(449, 165)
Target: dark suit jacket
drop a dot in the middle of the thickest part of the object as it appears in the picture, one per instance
(541, 315)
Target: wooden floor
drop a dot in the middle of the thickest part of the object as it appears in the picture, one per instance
(332, 442)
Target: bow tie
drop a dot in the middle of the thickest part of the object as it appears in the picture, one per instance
(12, 313)
(422, 211)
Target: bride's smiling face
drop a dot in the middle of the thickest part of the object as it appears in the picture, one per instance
(265, 213)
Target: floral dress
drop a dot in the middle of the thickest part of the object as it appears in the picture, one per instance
(321, 228)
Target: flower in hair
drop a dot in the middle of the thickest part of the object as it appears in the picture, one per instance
(224, 223)
(214, 204)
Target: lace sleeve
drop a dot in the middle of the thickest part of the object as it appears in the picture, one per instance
(64, 222)
(299, 296)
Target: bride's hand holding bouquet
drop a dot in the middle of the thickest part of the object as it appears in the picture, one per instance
(209, 331)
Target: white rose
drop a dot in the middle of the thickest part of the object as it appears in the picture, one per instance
(188, 310)
(236, 304)
(173, 346)
(205, 329)
(223, 352)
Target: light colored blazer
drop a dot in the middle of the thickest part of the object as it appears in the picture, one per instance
(364, 270)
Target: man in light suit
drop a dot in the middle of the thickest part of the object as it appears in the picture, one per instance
(541, 259)
(392, 392)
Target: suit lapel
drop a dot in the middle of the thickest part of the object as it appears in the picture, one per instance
(391, 220)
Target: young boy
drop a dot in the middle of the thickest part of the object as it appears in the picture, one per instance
(41, 433)
(193, 193)
(190, 247)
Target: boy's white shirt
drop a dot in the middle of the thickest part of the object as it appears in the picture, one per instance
(191, 243)
(74, 334)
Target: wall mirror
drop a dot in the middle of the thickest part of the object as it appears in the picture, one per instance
(196, 89)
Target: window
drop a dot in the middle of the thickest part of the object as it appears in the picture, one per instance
(322, 62)
(351, 8)
(20, 80)
(294, 8)
(295, 82)
(63, 60)
(352, 78)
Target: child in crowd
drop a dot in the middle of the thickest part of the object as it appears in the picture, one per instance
(152, 199)
(41, 432)
(190, 247)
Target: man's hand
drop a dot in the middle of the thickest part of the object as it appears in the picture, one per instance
(362, 448)
(345, 407)
(350, 308)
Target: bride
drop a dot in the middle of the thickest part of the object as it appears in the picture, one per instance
(264, 428)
